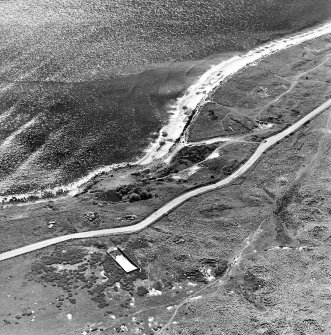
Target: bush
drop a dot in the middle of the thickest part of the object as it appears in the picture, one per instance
(142, 291)
(157, 286)
(221, 268)
(145, 195)
(134, 197)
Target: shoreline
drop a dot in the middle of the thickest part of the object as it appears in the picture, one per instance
(185, 110)
(176, 202)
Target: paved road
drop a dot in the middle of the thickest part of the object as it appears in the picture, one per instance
(170, 206)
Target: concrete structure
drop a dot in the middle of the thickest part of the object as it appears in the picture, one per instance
(122, 260)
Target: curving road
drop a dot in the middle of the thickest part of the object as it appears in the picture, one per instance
(171, 205)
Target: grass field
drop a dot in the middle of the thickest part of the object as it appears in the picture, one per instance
(263, 100)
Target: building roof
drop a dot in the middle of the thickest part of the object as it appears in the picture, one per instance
(124, 263)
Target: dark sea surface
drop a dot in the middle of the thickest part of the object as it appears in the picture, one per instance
(84, 84)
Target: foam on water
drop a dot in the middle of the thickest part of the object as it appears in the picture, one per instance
(6, 114)
(10, 139)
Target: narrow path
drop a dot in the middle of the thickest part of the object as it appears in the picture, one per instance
(293, 81)
(171, 205)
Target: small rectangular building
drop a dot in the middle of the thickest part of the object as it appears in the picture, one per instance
(122, 260)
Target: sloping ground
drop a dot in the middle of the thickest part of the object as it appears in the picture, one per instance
(281, 281)
(252, 102)
(219, 263)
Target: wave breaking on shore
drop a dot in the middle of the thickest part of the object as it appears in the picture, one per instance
(183, 110)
